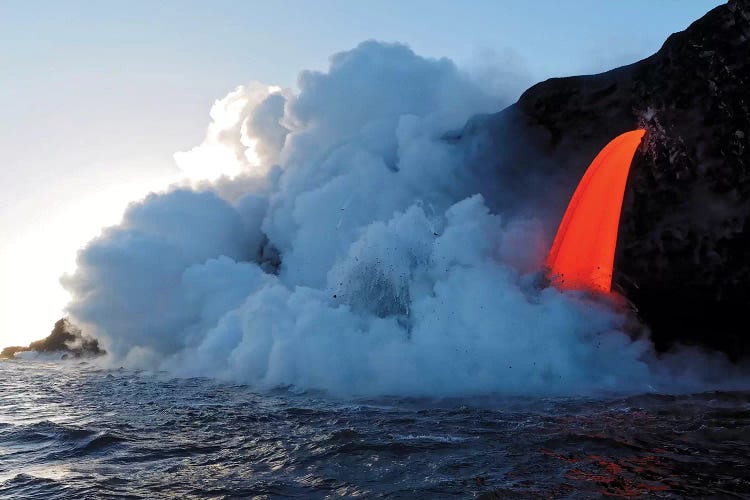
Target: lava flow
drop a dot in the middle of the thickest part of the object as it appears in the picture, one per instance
(583, 253)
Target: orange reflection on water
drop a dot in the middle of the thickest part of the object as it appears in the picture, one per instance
(627, 477)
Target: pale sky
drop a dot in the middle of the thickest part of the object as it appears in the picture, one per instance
(96, 96)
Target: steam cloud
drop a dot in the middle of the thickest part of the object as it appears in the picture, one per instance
(353, 253)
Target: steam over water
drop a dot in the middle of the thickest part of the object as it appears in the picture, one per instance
(351, 251)
(73, 431)
(330, 305)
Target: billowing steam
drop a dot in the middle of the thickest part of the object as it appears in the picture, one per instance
(352, 254)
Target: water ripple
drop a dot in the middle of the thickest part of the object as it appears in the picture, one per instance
(76, 431)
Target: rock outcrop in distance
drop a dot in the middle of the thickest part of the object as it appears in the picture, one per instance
(683, 253)
(65, 339)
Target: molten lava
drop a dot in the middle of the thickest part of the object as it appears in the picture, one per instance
(583, 252)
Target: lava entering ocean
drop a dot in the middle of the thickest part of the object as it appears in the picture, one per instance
(362, 257)
(583, 253)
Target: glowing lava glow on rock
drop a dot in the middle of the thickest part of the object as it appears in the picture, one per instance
(583, 252)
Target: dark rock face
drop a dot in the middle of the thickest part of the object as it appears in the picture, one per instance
(65, 338)
(684, 244)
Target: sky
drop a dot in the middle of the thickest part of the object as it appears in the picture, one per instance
(96, 97)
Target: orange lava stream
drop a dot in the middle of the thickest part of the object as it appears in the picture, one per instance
(583, 252)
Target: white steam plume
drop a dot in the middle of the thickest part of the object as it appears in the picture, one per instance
(352, 254)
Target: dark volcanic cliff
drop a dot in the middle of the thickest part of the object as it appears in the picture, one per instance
(684, 245)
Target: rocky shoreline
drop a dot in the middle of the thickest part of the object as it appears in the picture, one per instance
(66, 339)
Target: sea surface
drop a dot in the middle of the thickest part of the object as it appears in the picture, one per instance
(71, 430)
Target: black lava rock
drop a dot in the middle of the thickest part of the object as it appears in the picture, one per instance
(65, 338)
(684, 244)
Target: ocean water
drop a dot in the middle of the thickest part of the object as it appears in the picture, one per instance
(72, 430)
